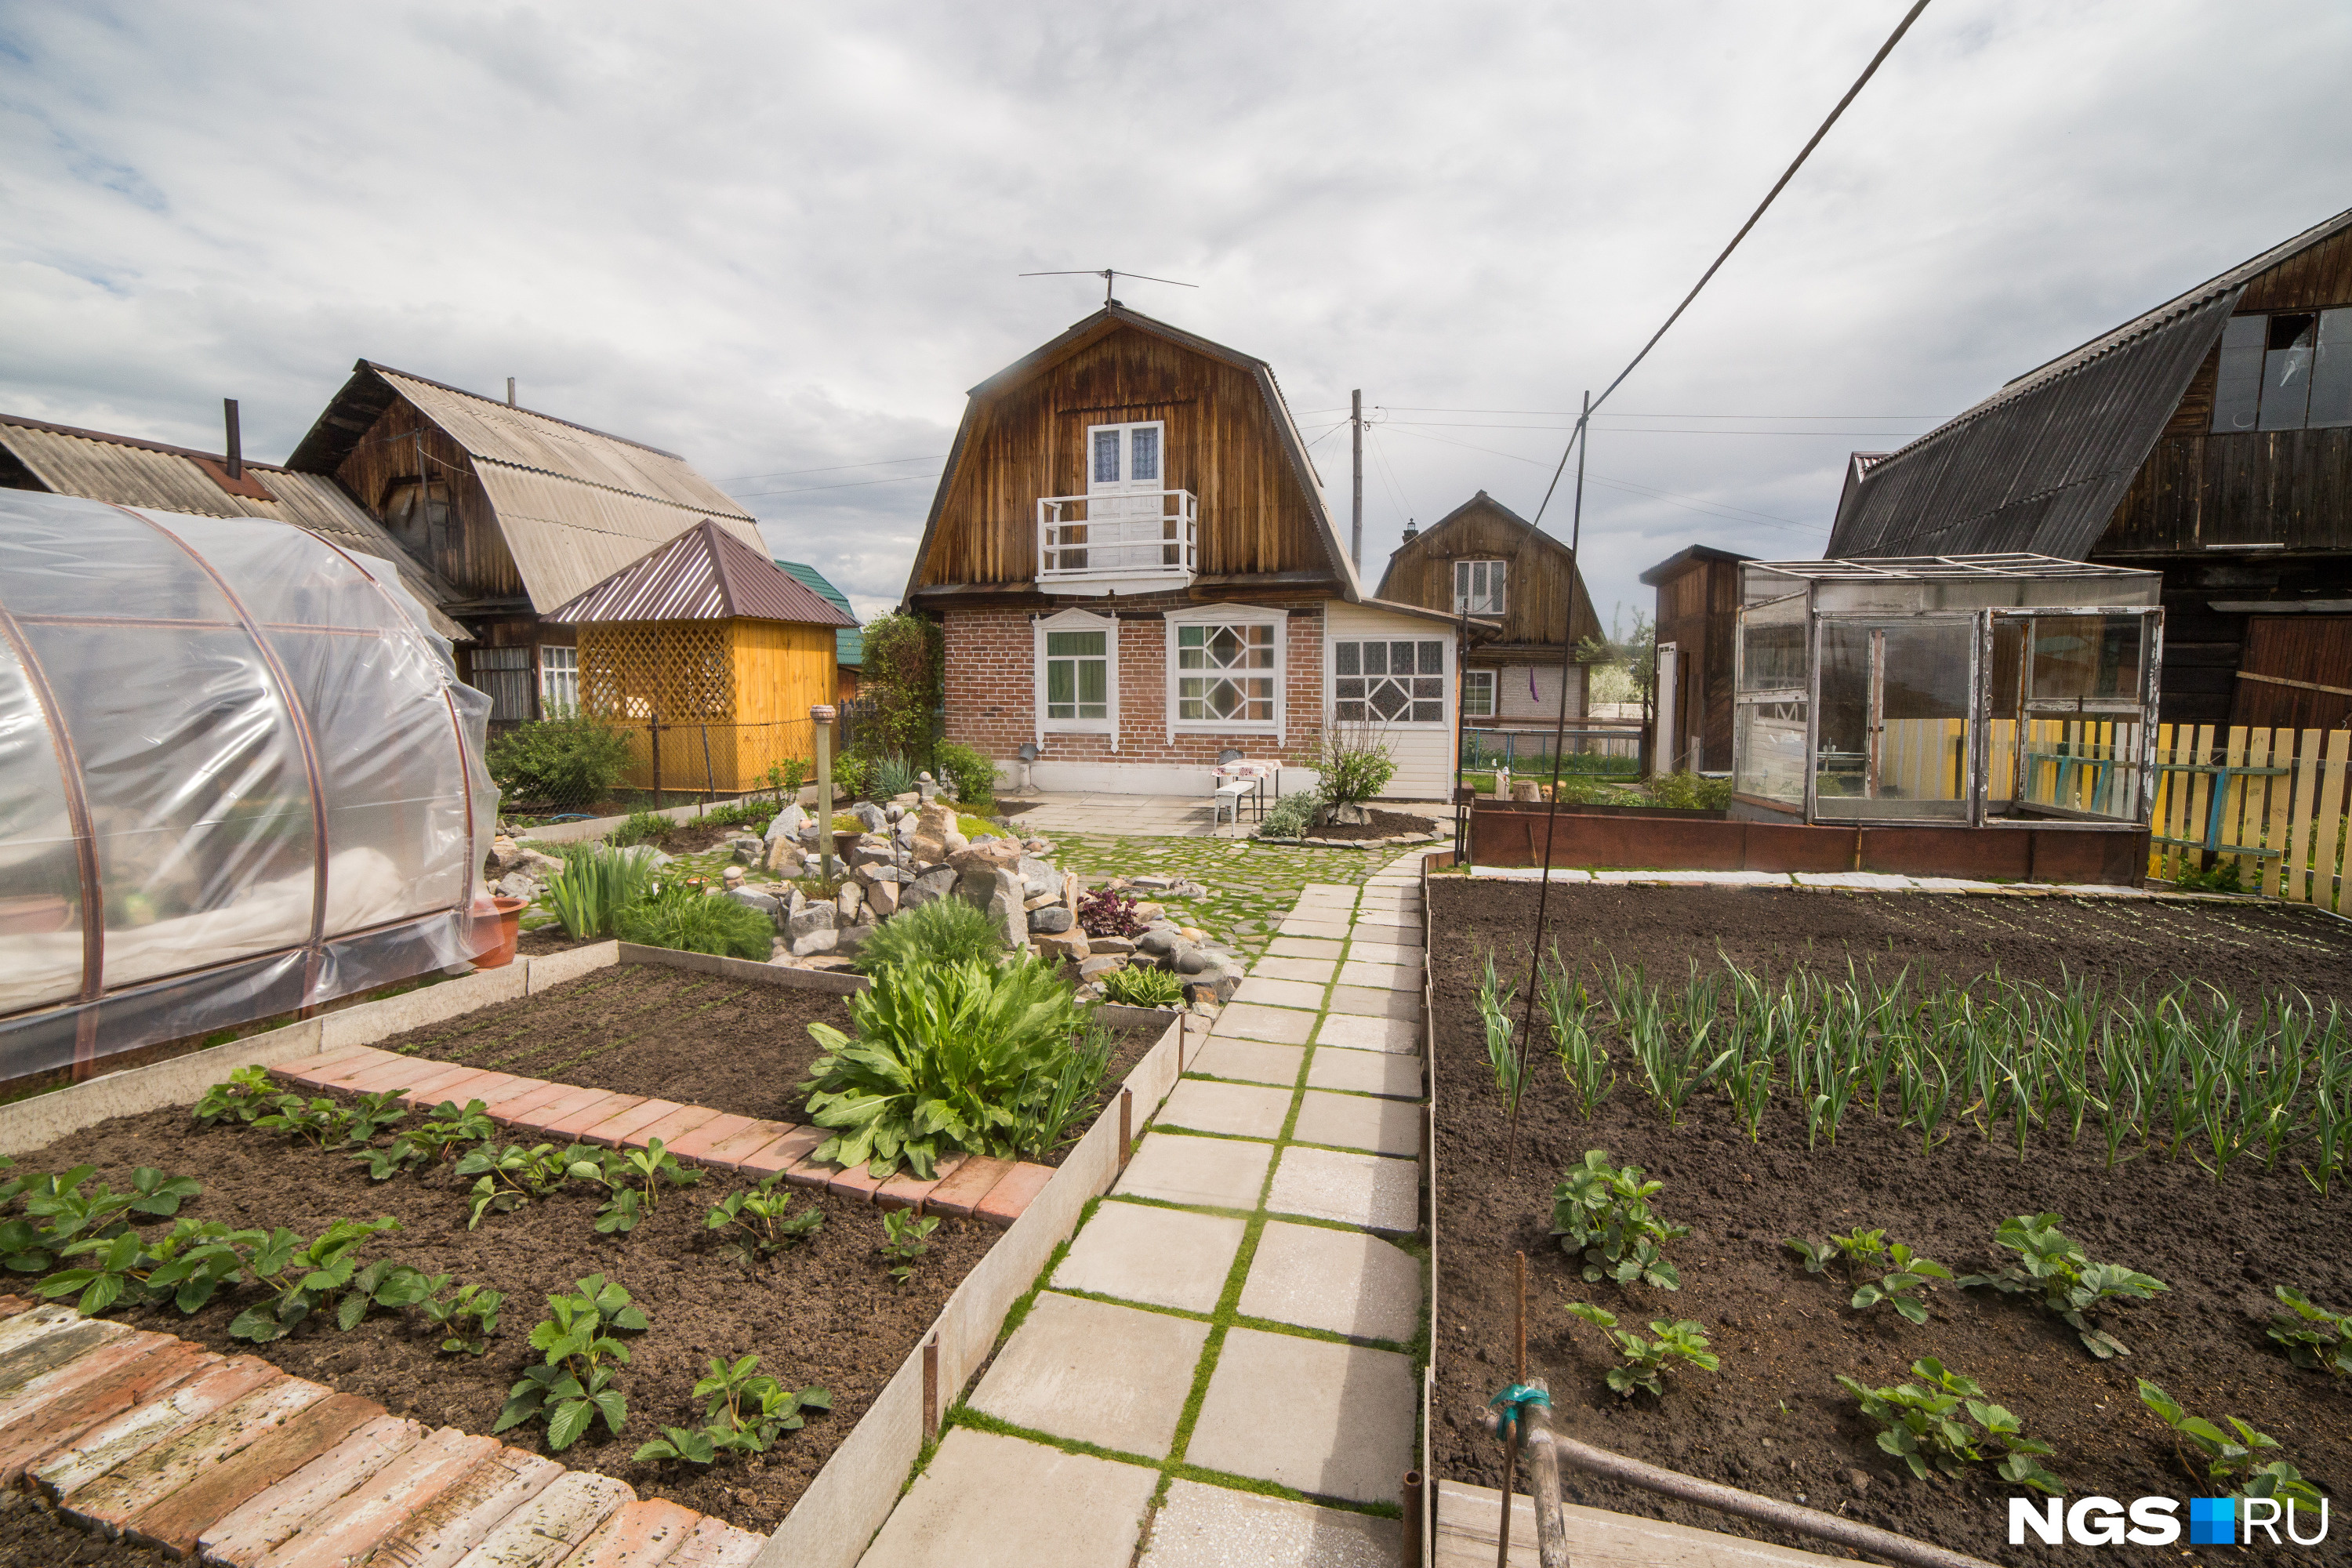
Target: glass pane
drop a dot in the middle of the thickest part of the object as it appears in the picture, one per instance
(1387, 700)
(1772, 647)
(1428, 686)
(1428, 712)
(1770, 742)
(1061, 684)
(1261, 647)
(1094, 682)
(2331, 371)
(2087, 767)
(1074, 644)
(1348, 658)
(1106, 456)
(1433, 659)
(2238, 387)
(2287, 371)
(2004, 698)
(1144, 451)
(1351, 687)
(1400, 659)
(1841, 768)
(1894, 741)
(1191, 637)
(1352, 713)
(1376, 659)
(2086, 658)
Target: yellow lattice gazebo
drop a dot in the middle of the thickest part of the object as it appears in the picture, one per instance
(708, 657)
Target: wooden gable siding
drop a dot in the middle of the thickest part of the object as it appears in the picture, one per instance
(2253, 487)
(473, 555)
(1698, 612)
(1028, 440)
(1537, 589)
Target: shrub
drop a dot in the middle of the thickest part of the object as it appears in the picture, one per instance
(1685, 791)
(902, 677)
(849, 776)
(1290, 817)
(570, 762)
(945, 1055)
(1355, 763)
(1109, 913)
(785, 778)
(597, 883)
(1139, 987)
(945, 931)
(972, 771)
(890, 776)
(689, 921)
(642, 827)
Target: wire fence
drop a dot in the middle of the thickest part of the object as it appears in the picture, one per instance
(1614, 751)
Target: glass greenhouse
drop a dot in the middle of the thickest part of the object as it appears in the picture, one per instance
(1965, 690)
(238, 776)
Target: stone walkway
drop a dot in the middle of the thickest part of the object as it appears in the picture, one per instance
(1152, 816)
(1220, 1367)
(1250, 888)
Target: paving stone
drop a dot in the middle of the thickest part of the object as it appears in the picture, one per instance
(544, 1531)
(1327, 1419)
(711, 1543)
(855, 1183)
(991, 1501)
(572, 1116)
(1249, 1060)
(1208, 1173)
(58, 1345)
(781, 1153)
(154, 1473)
(347, 1529)
(1203, 1526)
(1306, 947)
(1407, 954)
(729, 1149)
(528, 1096)
(1380, 976)
(1254, 991)
(615, 1131)
(174, 1523)
(959, 1194)
(328, 1067)
(446, 1531)
(699, 1143)
(1245, 1110)
(1301, 925)
(636, 1535)
(1277, 1025)
(158, 1420)
(1362, 1001)
(1013, 1192)
(271, 1516)
(1315, 972)
(906, 1190)
(1358, 1032)
(679, 1124)
(393, 1071)
(1355, 1122)
(1378, 1194)
(482, 1086)
(357, 1064)
(1342, 1281)
(58, 1407)
(1162, 1257)
(1114, 1376)
(1365, 1072)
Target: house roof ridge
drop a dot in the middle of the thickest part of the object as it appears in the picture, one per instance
(382, 369)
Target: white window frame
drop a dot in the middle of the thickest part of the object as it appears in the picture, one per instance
(559, 666)
(1473, 679)
(1498, 596)
(1331, 679)
(1079, 621)
(1232, 616)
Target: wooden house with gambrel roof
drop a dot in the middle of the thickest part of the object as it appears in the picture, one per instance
(1136, 572)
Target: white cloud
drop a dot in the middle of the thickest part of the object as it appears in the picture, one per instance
(784, 242)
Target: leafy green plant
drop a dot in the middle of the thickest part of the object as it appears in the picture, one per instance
(632, 1180)
(430, 1142)
(1140, 986)
(890, 774)
(1292, 817)
(1686, 791)
(747, 1411)
(1109, 912)
(945, 931)
(2228, 1455)
(317, 1120)
(573, 1384)
(249, 1092)
(373, 1114)
(849, 775)
(2069, 1284)
(310, 1276)
(2224, 875)
(1604, 1212)
(570, 760)
(641, 826)
(1051, 1105)
(904, 1239)
(1945, 1422)
(973, 772)
(597, 882)
(785, 777)
(942, 1057)
(186, 1267)
(451, 1314)
(1355, 763)
(62, 1217)
(2316, 1339)
(1505, 1058)
(1568, 1005)
(1898, 1276)
(512, 1175)
(687, 920)
(760, 1221)
(1647, 1359)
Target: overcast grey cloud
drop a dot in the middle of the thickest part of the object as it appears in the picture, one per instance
(784, 240)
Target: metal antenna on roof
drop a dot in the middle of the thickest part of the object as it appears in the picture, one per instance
(1109, 277)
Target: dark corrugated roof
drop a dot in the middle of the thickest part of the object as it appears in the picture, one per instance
(704, 574)
(2041, 464)
(849, 649)
(1658, 573)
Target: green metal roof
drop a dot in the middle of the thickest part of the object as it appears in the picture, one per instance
(850, 650)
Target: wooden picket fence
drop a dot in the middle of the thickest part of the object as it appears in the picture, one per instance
(2273, 799)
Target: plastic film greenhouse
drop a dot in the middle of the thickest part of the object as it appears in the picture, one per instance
(239, 777)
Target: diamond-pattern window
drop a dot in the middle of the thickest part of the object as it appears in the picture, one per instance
(1392, 682)
(1227, 686)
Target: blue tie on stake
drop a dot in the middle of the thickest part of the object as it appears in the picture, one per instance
(2212, 1521)
(1513, 1398)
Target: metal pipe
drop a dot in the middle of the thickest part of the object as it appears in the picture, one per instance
(1413, 1509)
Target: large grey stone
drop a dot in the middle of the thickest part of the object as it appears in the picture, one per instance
(1158, 940)
(810, 918)
(1053, 918)
(786, 823)
(784, 856)
(1038, 880)
(1203, 1526)
(747, 850)
(850, 901)
(756, 900)
(515, 884)
(1112, 944)
(1342, 1281)
(987, 854)
(1086, 1370)
(1334, 1420)
(822, 939)
(869, 816)
(1162, 1257)
(882, 897)
(850, 939)
(929, 888)
(1007, 911)
(991, 1501)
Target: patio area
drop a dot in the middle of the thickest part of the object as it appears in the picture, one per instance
(1128, 815)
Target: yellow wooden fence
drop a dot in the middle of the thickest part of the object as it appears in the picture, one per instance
(2272, 799)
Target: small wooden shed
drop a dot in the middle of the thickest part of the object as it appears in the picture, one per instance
(708, 657)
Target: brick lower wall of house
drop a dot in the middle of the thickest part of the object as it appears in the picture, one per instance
(991, 688)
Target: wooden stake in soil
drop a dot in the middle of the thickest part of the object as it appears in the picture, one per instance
(1126, 1124)
(931, 1386)
(1511, 1450)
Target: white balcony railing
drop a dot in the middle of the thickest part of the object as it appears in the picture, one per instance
(1147, 534)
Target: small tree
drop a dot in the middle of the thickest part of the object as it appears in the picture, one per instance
(1626, 660)
(901, 674)
(1356, 764)
(571, 760)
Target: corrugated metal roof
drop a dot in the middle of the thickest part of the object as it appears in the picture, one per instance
(704, 574)
(2041, 464)
(126, 471)
(566, 536)
(849, 649)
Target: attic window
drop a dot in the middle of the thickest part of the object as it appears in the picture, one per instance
(2290, 371)
(415, 510)
(1479, 587)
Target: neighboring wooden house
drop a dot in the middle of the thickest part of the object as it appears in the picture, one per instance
(2209, 440)
(126, 471)
(1698, 613)
(1483, 559)
(849, 655)
(1136, 573)
(706, 642)
(519, 512)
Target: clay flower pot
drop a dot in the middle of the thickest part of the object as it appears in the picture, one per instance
(508, 913)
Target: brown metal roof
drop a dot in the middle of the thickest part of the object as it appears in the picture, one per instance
(704, 574)
(126, 471)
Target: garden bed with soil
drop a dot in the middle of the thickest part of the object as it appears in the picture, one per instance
(679, 1034)
(1773, 1419)
(824, 1312)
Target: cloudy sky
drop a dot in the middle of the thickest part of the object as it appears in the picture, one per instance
(784, 241)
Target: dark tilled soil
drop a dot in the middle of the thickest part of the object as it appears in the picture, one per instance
(33, 1534)
(825, 1313)
(674, 1035)
(1774, 1420)
(1383, 825)
(550, 938)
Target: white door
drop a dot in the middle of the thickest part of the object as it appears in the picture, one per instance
(1664, 754)
(1126, 469)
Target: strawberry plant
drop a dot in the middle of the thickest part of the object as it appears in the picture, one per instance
(632, 1179)
(449, 1314)
(186, 1267)
(760, 1221)
(1901, 1275)
(430, 1141)
(249, 1092)
(904, 1239)
(1647, 1359)
(2228, 1455)
(513, 1175)
(1604, 1212)
(573, 1384)
(316, 1120)
(747, 1412)
(2069, 1284)
(314, 1275)
(1948, 1424)
(2316, 1339)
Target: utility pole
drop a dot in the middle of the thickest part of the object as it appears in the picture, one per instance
(1356, 418)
